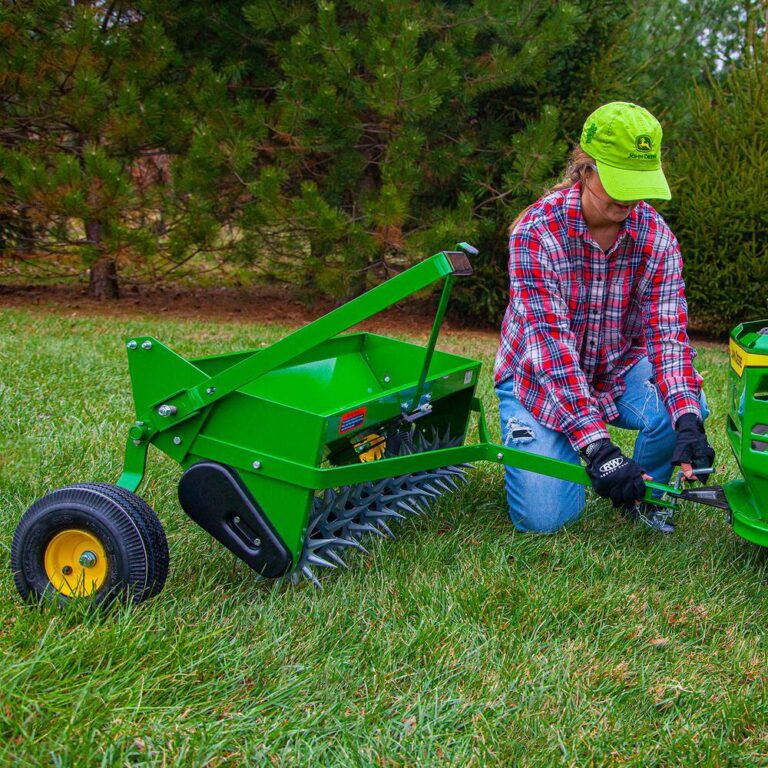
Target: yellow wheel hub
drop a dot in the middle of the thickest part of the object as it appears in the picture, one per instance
(75, 563)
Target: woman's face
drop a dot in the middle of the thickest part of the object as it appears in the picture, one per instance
(602, 204)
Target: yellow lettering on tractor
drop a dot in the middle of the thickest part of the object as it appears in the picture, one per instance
(741, 359)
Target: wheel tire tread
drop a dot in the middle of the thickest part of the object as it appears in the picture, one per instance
(151, 528)
(142, 537)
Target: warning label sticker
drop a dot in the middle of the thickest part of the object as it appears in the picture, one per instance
(352, 420)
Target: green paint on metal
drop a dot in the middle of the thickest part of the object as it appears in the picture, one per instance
(205, 393)
(134, 464)
(439, 315)
(747, 430)
(277, 414)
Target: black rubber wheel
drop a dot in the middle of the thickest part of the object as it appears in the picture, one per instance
(91, 540)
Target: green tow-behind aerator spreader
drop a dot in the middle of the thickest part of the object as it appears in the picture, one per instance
(294, 453)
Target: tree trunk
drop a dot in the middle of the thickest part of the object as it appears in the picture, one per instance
(103, 280)
(25, 232)
(103, 273)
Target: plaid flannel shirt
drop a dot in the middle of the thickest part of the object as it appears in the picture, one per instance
(578, 318)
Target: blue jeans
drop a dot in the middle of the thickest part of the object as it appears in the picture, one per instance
(545, 504)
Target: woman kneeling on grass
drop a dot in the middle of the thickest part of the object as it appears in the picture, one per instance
(596, 332)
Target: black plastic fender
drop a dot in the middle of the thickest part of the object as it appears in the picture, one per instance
(217, 500)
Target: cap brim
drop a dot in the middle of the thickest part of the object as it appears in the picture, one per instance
(621, 184)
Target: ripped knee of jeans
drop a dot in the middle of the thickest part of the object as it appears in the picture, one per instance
(651, 388)
(518, 433)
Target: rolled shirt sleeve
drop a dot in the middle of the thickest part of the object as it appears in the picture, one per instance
(665, 316)
(536, 299)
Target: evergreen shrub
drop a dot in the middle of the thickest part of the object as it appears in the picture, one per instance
(718, 210)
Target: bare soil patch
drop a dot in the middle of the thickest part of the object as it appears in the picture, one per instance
(258, 303)
(264, 304)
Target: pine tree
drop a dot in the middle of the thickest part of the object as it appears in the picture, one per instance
(718, 209)
(94, 113)
(380, 145)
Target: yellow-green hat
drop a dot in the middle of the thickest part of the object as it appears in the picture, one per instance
(625, 140)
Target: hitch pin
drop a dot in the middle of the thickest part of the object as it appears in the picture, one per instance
(679, 477)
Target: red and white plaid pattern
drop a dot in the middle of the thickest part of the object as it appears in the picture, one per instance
(579, 318)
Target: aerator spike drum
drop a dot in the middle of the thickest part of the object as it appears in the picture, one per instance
(295, 455)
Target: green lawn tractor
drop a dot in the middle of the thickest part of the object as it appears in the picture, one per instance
(382, 426)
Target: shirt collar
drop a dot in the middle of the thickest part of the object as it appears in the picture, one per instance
(577, 226)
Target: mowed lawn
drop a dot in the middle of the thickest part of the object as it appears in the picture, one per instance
(460, 642)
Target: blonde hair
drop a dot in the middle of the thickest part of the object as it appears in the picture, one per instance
(579, 164)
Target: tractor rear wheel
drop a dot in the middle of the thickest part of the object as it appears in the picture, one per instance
(96, 541)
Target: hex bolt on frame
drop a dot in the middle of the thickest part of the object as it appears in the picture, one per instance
(293, 454)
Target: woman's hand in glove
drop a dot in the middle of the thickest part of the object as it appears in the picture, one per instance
(613, 475)
(692, 450)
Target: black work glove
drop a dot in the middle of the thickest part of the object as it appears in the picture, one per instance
(613, 475)
(691, 446)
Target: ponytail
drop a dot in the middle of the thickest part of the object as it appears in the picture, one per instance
(579, 164)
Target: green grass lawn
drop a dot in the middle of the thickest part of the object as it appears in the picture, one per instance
(461, 642)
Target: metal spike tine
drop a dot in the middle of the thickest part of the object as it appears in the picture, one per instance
(450, 480)
(418, 499)
(321, 561)
(361, 496)
(384, 527)
(330, 553)
(399, 493)
(381, 486)
(343, 496)
(317, 543)
(365, 527)
(349, 542)
(352, 542)
(307, 571)
(412, 504)
(388, 512)
(332, 527)
(442, 484)
(407, 507)
(371, 515)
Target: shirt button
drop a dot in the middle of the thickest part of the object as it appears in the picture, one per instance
(591, 342)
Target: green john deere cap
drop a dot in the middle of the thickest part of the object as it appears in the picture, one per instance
(625, 140)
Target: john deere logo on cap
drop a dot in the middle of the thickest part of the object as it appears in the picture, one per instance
(591, 131)
(643, 143)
